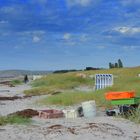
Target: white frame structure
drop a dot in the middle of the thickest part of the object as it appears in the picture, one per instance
(103, 81)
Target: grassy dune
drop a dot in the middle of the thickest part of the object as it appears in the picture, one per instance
(57, 82)
(124, 79)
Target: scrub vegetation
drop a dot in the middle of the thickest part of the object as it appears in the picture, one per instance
(133, 116)
(125, 79)
(58, 82)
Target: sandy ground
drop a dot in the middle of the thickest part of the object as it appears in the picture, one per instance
(98, 128)
(13, 91)
(7, 107)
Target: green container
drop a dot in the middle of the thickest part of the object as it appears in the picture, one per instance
(129, 101)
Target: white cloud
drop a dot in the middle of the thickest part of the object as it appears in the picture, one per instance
(7, 9)
(67, 36)
(127, 30)
(34, 33)
(13, 9)
(42, 2)
(101, 47)
(130, 2)
(130, 48)
(84, 37)
(79, 2)
(36, 39)
(18, 47)
(3, 21)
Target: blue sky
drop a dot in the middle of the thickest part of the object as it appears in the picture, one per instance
(68, 34)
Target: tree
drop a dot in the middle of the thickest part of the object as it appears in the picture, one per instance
(120, 64)
(116, 65)
(113, 65)
(110, 65)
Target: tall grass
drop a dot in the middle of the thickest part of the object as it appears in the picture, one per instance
(14, 120)
(57, 82)
(133, 116)
(71, 98)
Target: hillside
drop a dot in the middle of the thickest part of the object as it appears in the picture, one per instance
(124, 79)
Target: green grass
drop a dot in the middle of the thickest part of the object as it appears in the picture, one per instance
(13, 119)
(125, 79)
(71, 98)
(57, 82)
(16, 82)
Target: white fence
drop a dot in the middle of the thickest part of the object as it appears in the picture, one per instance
(103, 81)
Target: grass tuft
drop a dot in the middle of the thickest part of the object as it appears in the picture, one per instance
(14, 119)
(16, 82)
(133, 116)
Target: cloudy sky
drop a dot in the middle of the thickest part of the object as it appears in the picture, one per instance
(68, 34)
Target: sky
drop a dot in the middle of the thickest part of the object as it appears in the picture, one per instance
(68, 34)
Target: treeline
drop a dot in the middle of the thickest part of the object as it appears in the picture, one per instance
(92, 68)
(74, 70)
(118, 64)
(65, 71)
